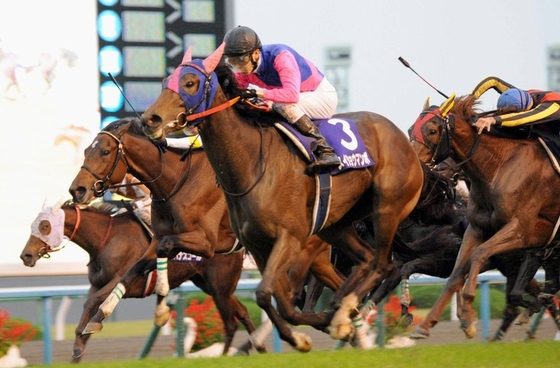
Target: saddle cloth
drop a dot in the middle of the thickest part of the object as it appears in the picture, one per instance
(341, 134)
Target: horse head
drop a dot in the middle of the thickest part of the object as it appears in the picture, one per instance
(432, 133)
(187, 93)
(47, 235)
(104, 163)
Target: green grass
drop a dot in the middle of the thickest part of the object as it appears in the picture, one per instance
(516, 355)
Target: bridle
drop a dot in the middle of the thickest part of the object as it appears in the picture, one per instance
(195, 118)
(100, 186)
(442, 149)
(50, 249)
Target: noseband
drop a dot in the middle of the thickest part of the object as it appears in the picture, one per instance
(100, 187)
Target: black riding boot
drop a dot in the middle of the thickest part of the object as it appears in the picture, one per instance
(325, 157)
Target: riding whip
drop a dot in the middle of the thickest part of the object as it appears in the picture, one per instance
(405, 63)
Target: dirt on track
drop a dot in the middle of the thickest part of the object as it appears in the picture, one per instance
(128, 348)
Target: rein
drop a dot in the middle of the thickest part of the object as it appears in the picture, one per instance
(449, 129)
(100, 183)
(76, 227)
(189, 117)
(99, 187)
(261, 155)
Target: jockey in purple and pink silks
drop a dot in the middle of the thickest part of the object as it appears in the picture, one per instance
(289, 83)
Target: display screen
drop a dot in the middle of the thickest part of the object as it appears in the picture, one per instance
(144, 61)
(143, 26)
(142, 41)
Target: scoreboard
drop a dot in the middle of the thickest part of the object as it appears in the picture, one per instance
(143, 41)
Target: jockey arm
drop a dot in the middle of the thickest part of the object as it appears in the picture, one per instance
(496, 83)
(542, 113)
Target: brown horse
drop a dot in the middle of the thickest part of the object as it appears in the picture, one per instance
(503, 211)
(114, 244)
(271, 198)
(188, 210)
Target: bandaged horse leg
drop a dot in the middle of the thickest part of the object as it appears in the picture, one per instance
(162, 312)
(105, 310)
(341, 325)
(256, 338)
(407, 318)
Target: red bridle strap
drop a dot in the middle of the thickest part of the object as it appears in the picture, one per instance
(213, 110)
(78, 219)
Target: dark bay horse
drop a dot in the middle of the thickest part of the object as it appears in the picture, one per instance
(115, 244)
(270, 197)
(512, 205)
(189, 212)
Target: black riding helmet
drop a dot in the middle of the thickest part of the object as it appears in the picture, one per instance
(241, 40)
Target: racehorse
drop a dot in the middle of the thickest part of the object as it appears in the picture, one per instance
(271, 198)
(188, 210)
(114, 244)
(504, 213)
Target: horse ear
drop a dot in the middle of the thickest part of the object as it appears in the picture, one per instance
(212, 61)
(447, 105)
(57, 206)
(426, 104)
(188, 56)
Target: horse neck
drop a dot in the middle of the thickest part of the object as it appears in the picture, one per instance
(488, 156)
(146, 163)
(89, 232)
(233, 147)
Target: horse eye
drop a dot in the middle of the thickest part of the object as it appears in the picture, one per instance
(106, 152)
(190, 84)
(432, 132)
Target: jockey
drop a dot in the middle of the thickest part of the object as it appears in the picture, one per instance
(289, 83)
(517, 107)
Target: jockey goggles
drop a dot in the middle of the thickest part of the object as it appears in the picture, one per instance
(239, 59)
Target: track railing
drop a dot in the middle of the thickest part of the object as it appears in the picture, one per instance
(46, 293)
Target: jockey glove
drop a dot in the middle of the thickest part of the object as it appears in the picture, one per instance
(249, 93)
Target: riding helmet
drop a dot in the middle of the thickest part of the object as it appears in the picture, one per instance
(515, 97)
(241, 40)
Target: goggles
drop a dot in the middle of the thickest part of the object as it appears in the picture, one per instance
(239, 59)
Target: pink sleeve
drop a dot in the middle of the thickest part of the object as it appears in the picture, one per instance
(290, 77)
(242, 80)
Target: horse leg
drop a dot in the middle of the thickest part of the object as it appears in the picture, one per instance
(510, 312)
(132, 276)
(527, 270)
(324, 273)
(194, 242)
(454, 284)
(274, 281)
(95, 296)
(503, 241)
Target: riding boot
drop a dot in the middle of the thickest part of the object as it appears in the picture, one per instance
(325, 157)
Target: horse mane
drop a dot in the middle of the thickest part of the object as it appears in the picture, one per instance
(466, 108)
(135, 128)
(230, 87)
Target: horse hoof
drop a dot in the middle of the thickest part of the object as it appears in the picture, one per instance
(92, 327)
(470, 330)
(341, 332)
(303, 342)
(77, 355)
(420, 333)
(407, 320)
(162, 316)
